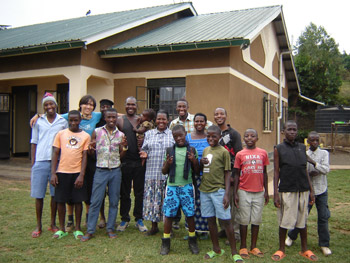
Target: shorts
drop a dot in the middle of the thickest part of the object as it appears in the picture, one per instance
(65, 192)
(212, 205)
(40, 177)
(293, 212)
(177, 196)
(251, 206)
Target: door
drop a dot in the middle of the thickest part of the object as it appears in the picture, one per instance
(24, 107)
(5, 138)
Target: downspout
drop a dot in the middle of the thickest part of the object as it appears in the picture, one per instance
(279, 118)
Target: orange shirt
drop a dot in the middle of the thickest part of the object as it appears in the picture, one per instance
(72, 145)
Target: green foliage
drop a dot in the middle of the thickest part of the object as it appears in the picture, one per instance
(319, 66)
(302, 134)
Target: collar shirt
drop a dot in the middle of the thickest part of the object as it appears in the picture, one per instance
(43, 135)
(107, 147)
(188, 123)
(319, 182)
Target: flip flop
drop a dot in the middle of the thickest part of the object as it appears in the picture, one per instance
(86, 238)
(256, 252)
(59, 234)
(78, 234)
(36, 234)
(308, 254)
(280, 254)
(237, 258)
(111, 235)
(54, 229)
(213, 254)
(243, 252)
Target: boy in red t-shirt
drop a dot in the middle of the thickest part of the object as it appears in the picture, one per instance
(250, 190)
(68, 178)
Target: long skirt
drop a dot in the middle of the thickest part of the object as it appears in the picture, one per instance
(153, 200)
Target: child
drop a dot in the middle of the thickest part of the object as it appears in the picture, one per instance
(146, 123)
(291, 195)
(110, 145)
(43, 134)
(317, 167)
(250, 190)
(181, 159)
(68, 178)
(215, 192)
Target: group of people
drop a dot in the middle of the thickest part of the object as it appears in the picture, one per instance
(189, 165)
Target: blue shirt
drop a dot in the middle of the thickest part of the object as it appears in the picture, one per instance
(43, 134)
(88, 125)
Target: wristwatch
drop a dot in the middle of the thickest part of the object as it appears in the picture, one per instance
(125, 148)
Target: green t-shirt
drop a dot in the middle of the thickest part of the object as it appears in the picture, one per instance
(180, 156)
(214, 173)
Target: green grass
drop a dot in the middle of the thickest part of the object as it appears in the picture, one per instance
(17, 216)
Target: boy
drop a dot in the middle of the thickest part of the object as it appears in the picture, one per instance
(68, 178)
(215, 192)
(291, 195)
(317, 167)
(110, 145)
(43, 134)
(181, 159)
(250, 190)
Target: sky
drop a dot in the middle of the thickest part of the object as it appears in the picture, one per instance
(298, 14)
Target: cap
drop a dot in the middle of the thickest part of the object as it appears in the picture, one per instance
(106, 102)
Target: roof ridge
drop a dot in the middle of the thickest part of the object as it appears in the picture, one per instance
(242, 10)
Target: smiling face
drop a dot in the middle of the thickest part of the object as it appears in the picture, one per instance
(250, 138)
(111, 119)
(50, 108)
(162, 121)
(87, 109)
(213, 137)
(182, 108)
(199, 123)
(179, 137)
(73, 122)
(130, 106)
(220, 116)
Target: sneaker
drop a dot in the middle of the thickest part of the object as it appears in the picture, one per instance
(141, 226)
(123, 225)
(176, 225)
(288, 241)
(326, 251)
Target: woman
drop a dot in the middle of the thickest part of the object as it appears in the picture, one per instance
(153, 149)
(198, 140)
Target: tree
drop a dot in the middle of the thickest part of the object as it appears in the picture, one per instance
(319, 65)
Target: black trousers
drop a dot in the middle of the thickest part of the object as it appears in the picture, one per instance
(133, 175)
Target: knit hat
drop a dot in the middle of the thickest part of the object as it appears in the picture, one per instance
(49, 97)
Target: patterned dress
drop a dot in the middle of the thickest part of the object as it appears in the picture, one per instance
(155, 144)
(201, 224)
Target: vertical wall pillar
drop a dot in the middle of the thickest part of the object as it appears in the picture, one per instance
(77, 86)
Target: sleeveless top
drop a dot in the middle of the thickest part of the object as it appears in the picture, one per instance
(132, 155)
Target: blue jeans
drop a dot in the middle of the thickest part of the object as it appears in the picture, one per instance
(323, 214)
(102, 178)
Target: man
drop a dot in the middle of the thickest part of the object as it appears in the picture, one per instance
(185, 118)
(43, 134)
(133, 173)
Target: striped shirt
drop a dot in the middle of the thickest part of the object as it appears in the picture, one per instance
(188, 123)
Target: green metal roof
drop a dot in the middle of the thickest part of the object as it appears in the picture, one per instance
(77, 32)
(202, 31)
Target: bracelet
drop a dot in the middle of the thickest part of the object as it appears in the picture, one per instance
(125, 148)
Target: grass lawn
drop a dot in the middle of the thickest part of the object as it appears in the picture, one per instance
(17, 215)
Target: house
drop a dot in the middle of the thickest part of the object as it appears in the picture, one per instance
(238, 60)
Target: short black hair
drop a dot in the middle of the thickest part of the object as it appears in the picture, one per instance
(214, 128)
(163, 112)
(151, 113)
(313, 133)
(111, 110)
(182, 100)
(252, 130)
(85, 100)
(289, 122)
(131, 97)
(74, 112)
(179, 128)
(201, 115)
(221, 109)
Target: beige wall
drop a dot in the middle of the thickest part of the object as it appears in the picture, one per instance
(100, 89)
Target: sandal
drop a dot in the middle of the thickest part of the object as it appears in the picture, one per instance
(111, 235)
(59, 234)
(243, 252)
(280, 254)
(53, 229)
(87, 237)
(237, 258)
(213, 254)
(308, 254)
(36, 234)
(78, 234)
(256, 252)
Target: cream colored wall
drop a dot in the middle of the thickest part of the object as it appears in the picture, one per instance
(100, 89)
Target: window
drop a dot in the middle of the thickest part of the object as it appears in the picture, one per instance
(268, 110)
(161, 94)
(284, 113)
